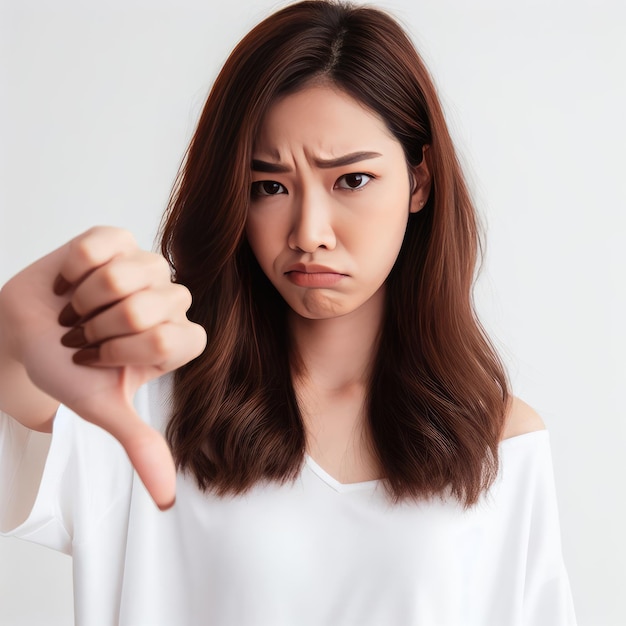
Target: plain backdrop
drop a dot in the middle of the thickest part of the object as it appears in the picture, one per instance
(98, 102)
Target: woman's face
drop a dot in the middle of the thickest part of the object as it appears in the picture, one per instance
(330, 200)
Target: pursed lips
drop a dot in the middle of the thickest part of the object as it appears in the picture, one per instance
(313, 275)
(312, 268)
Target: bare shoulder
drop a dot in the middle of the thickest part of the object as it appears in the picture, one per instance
(521, 419)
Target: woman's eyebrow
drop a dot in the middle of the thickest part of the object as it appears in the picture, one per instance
(347, 159)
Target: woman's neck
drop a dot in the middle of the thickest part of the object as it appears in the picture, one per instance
(331, 384)
(337, 353)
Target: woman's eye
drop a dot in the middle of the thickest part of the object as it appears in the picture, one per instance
(353, 181)
(267, 188)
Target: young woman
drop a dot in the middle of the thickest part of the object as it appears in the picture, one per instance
(345, 446)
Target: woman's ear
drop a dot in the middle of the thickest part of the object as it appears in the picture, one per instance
(420, 183)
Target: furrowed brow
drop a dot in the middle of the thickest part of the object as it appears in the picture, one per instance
(347, 159)
(272, 168)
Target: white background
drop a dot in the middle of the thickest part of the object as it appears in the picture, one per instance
(98, 101)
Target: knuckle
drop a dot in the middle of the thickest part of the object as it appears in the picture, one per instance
(94, 236)
(117, 234)
(200, 337)
(162, 344)
(81, 249)
(94, 231)
(183, 294)
(126, 236)
(133, 317)
(112, 281)
(162, 265)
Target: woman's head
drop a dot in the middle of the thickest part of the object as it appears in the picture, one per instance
(438, 389)
(359, 50)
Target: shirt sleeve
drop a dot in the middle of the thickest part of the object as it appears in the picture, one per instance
(547, 594)
(55, 488)
(23, 454)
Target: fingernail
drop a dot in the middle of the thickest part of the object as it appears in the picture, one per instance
(60, 285)
(75, 338)
(86, 356)
(68, 316)
(166, 507)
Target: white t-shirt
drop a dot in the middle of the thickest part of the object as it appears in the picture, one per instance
(312, 552)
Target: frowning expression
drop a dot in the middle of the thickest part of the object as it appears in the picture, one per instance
(330, 200)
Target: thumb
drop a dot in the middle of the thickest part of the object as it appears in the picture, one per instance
(151, 457)
(102, 396)
(146, 448)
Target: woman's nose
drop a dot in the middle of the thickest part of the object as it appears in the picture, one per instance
(312, 225)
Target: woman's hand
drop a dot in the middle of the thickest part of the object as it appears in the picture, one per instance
(93, 321)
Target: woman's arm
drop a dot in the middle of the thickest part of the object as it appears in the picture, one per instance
(19, 397)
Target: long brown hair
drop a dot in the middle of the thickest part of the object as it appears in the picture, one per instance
(438, 391)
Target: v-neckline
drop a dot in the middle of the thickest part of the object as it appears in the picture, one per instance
(321, 473)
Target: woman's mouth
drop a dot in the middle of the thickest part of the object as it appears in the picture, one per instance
(313, 275)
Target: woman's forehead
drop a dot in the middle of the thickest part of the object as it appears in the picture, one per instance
(325, 119)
